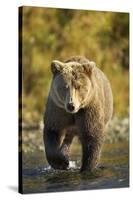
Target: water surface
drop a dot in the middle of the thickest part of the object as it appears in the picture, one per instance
(113, 171)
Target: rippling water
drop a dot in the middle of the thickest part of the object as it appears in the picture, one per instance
(113, 171)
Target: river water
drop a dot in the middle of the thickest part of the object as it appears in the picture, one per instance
(113, 171)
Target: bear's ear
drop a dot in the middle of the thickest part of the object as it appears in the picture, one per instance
(89, 67)
(56, 66)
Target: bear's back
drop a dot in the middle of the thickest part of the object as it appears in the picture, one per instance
(79, 59)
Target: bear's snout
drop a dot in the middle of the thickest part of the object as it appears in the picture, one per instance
(70, 107)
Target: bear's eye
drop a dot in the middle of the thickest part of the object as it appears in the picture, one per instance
(65, 87)
(77, 87)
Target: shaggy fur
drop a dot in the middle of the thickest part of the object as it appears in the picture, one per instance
(77, 82)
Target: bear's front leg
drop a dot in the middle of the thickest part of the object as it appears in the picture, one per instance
(91, 148)
(55, 156)
(91, 128)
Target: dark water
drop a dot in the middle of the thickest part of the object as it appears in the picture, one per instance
(113, 171)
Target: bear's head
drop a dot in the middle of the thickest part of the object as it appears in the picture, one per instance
(72, 85)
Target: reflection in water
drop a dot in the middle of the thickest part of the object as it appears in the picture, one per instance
(112, 172)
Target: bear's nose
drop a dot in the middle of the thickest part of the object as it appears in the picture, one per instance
(70, 107)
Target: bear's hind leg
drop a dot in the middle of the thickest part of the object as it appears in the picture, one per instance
(70, 133)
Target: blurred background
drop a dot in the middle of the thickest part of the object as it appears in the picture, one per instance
(49, 33)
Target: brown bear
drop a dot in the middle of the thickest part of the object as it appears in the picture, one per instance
(79, 103)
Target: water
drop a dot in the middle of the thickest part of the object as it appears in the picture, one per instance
(113, 171)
